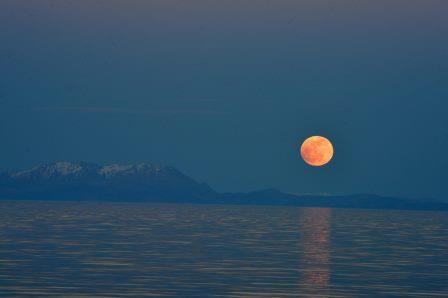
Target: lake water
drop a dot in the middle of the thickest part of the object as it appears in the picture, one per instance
(130, 250)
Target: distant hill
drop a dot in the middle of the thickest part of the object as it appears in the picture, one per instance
(145, 182)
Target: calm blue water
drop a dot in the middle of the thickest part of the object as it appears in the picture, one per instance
(130, 250)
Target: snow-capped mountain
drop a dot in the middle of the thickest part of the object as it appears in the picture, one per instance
(81, 180)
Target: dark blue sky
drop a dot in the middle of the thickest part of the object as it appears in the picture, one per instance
(224, 90)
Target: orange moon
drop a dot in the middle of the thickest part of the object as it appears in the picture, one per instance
(316, 151)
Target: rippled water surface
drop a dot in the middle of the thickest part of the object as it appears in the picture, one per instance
(116, 250)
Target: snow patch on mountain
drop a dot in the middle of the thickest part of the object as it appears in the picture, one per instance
(80, 169)
(62, 168)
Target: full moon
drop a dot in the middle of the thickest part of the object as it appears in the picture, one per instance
(316, 151)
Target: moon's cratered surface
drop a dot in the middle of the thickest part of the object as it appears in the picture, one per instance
(316, 151)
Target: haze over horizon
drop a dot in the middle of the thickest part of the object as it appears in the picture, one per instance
(226, 91)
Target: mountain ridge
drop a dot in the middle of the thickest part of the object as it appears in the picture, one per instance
(147, 182)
